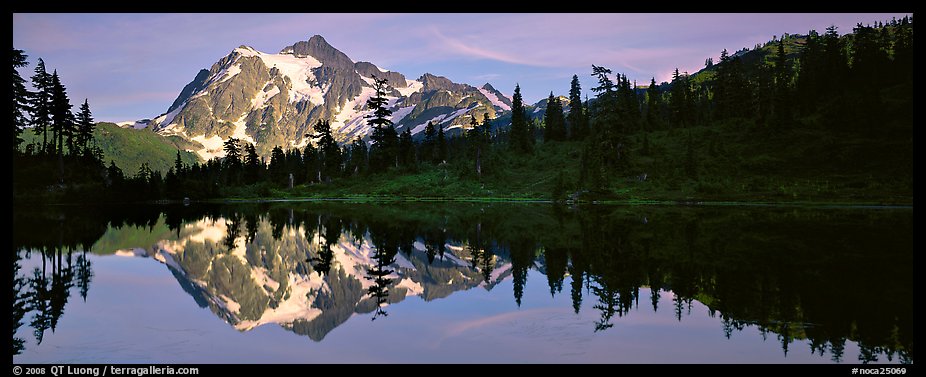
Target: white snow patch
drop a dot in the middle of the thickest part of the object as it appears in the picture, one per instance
(231, 72)
(350, 119)
(262, 97)
(136, 252)
(499, 271)
(453, 115)
(299, 72)
(422, 126)
(403, 262)
(297, 306)
(230, 304)
(240, 132)
(214, 231)
(414, 288)
(537, 110)
(172, 129)
(494, 99)
(413, 87)
(213, 146)
(368, 80)
(451, 255)
(401, 113)
(260, 276)
(168, 118)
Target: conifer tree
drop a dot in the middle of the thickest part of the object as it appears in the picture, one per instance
(428, 145)
(329, 154)
(577, 117)
(20, 97)
(358, 156)
(384, 151)
(85, 125)
(40, 103)
(252, 164)
(62, 119)
(441, 154)
(554, 129)
(520, 139)
(178, 165)
(652, 105)
(406, 148)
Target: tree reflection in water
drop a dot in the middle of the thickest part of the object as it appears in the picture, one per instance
(792, 274)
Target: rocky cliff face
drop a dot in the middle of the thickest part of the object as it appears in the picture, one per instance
(275, 99)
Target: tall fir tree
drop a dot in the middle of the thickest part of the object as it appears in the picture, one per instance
(441, 154)
(384, 151)
(407, 148)
(85, 125)
(232, 160)
(179, 168)
(428, 144)
(652, 105)
(62, 118)
(20, 97)
(358, 156)
(277, 166)
(329, 154)
(252, 164)
(520, 139)
(678, 98)
(40, 103)
(606, 130)
(554, 122)
(578, 123)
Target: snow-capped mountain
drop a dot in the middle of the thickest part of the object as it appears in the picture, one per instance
(275, 99)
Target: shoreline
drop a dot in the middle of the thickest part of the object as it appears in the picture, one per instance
(508, 200)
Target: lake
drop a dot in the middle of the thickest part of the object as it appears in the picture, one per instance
(338, 282)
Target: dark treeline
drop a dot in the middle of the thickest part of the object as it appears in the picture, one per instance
(790, 85)
(851, 281)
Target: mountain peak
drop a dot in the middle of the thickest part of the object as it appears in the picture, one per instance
(318, 48)
(319, 40)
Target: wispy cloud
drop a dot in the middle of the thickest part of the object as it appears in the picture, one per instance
(487, 76)
(456, 46)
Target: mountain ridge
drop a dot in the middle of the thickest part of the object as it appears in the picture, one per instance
(276, 99)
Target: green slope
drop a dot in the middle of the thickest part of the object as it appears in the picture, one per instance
(129, 148)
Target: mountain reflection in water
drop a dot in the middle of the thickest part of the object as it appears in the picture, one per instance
(821, 276)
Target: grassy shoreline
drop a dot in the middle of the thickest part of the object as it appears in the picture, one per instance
(632, 202)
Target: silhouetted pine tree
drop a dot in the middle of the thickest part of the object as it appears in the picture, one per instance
(578, 123)
(520, 139)
(384, 151)
(20, 97)
(62, 119)
(329, 154)
(652, 106)
(406, 149)
(40, 104)
(554, 122)
(85, 125)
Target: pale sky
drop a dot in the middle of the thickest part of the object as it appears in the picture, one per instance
(132, 66)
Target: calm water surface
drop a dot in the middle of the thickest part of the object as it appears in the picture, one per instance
(337, 282)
